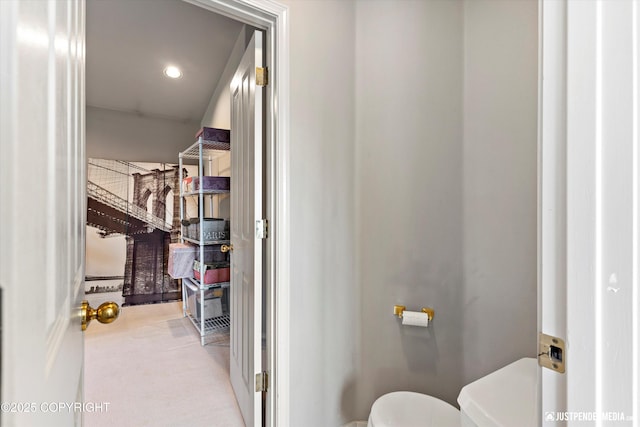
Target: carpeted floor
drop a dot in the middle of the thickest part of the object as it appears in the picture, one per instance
(151, 369)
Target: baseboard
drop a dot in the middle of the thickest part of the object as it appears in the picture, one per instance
(356, 424)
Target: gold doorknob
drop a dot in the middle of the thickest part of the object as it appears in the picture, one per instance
(107, 312)
(226, 248)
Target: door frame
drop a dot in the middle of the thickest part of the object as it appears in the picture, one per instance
(273, 19)
(552, 194)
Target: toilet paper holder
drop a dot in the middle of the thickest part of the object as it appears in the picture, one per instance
(399, 309)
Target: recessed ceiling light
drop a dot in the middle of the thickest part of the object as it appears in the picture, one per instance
(172, 72)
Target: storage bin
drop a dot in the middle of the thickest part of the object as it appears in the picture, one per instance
(214, 134)
(220, 183)
(190, 226)
(213, 304)
(214, 229)
(214, 272)
(212, 254)
(181, 258)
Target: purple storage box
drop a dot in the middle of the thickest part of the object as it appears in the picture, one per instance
(221, 183)
(214, 134)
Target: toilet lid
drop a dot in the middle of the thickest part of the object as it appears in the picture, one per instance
(409, 409)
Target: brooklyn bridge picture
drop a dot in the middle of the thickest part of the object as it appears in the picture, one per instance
(133, 214)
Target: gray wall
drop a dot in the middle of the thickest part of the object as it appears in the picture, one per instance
(500, 173)
(218, 114)
(324, 297)
(409, 188)
(446, 100)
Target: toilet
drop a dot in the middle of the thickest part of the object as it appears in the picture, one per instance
(507, 397)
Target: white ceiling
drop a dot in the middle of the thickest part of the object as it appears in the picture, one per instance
(130, 42)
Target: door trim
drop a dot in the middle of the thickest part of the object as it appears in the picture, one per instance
(552, 193)
(273, 18)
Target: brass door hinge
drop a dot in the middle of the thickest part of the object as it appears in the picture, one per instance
(262, 76)
(262, 381)
(551, 353)
(262, 229)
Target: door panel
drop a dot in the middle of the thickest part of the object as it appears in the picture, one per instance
(590, 181)
(42, 189)
(246, 208)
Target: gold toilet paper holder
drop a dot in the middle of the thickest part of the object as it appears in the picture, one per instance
(399, 309)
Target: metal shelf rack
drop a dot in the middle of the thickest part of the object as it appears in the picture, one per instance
(214, 329)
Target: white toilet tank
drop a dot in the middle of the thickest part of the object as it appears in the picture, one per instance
(504, 398)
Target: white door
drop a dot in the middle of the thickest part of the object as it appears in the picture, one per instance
(590, 209)
(246, 208)
(42, 211)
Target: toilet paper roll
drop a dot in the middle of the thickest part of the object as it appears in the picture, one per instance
(415, 318)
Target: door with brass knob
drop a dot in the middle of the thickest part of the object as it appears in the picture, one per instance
(107, 312)
(226, 248)
(43, 343)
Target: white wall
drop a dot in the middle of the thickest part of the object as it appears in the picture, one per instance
(324, 297)
(123, 136)
(500, 183)
(409, 187)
